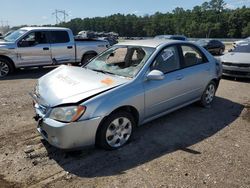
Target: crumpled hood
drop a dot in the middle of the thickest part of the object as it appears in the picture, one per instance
(68, 84)
(236, 57)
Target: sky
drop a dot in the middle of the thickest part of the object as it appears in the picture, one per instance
(34, 12)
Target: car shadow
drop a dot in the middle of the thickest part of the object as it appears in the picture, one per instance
(176, 131)
(28, 73)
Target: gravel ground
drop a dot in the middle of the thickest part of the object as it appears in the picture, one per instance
(192, 147)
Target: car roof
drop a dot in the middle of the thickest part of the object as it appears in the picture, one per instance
(149, 42)
(44, 28)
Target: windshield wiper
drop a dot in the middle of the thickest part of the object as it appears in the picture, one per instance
(106, 72)
(102, 71)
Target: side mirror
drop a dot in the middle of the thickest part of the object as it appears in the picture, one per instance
(155, 75)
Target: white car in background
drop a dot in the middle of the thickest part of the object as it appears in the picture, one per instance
(236, 63)
(241, 42)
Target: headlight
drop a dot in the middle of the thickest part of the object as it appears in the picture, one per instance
(67, 114)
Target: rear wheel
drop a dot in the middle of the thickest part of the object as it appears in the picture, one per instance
(221, 51)
(208, 95)
(116, 130)
(86, 58)
(5, 67)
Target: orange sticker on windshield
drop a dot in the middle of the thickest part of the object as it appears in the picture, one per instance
(108, 81)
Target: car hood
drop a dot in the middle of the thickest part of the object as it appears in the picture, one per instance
(6, 45)
(68, 84)
(236, 57)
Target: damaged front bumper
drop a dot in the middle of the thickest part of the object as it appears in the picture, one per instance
(65, 135)
(68, 135)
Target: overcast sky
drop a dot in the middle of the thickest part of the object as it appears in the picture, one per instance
(29, 12)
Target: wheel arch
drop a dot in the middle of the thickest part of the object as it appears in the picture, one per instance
(127, 108)
(91, 52)
(216, 81)
(9, 59)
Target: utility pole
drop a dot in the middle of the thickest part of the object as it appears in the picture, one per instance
(4, 23)
(4, 27)
(60, 16)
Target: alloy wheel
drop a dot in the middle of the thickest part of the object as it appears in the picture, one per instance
(4, 69)
(210, 92)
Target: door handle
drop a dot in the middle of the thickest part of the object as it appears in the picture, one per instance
(179, 77)
(69, 47)
(46, 48)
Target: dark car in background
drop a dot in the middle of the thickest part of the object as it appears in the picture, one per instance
(215, 47)
(112, 41)
(172, 37)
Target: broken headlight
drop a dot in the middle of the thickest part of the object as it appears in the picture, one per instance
(67, 114)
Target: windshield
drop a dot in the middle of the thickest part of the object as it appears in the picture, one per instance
(241, 49)
(123, 61)
(15, 35)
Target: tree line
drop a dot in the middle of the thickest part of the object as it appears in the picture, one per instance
(211, 19)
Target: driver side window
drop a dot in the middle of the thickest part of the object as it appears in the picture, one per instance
(167, 60)
(33, 39)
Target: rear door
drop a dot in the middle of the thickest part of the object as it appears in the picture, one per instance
(34, 49)
(195, 71)
(62, 48)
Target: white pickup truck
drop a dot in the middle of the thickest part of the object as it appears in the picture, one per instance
(42, 46)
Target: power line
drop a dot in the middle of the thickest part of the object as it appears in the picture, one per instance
(4, 23)
(60, 16)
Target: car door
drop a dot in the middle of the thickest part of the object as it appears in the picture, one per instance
(34, 49)
(62, 49)
(195, 71)
(162, 95)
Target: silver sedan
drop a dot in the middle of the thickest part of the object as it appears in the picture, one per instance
(128, 85)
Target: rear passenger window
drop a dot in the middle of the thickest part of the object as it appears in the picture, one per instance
(167, 60)
(59, 37)
(192, 56)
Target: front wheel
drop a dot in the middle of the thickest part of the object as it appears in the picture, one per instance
(116, 131)
(221, 51)
(5, 67)
(208, 95)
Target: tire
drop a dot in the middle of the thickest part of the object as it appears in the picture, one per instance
(115, 131)
(6, 67)
(221, 51)
(86, 58)
(208, 95)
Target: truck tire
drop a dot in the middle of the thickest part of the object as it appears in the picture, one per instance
(6, 67)
(86, 58)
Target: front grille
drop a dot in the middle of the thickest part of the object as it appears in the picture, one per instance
(44, 133)
(236, 64)
(43, 109)
(240, 73)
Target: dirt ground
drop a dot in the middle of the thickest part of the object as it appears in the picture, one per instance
(192, 147)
